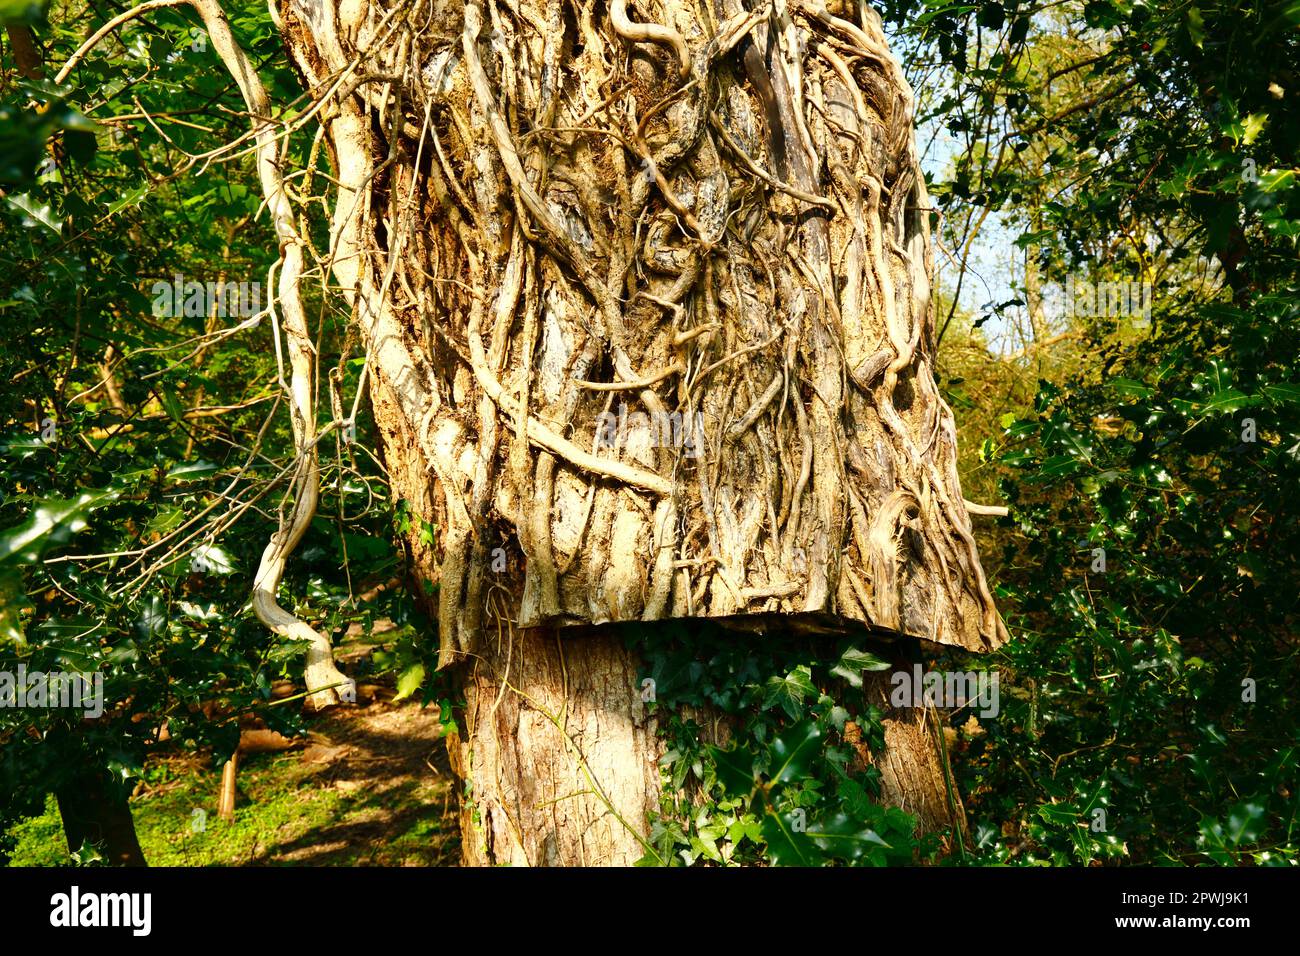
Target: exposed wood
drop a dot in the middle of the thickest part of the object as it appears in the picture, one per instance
(226, 798)
(561, 760)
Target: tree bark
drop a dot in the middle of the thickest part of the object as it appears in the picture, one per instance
(645, 297)
(914, 774)
(559, 754)
(560, 757)
(96, 811)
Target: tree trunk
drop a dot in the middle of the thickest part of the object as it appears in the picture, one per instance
(96, 811)
(561, 761)
(560, 758)
(647, 317)
(914, 773)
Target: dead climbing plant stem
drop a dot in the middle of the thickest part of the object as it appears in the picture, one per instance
(615, 208)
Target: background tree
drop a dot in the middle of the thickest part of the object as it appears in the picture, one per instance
(136, 431)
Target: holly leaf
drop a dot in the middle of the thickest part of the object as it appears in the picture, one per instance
(845, 838)
(1131, 389)
(785, 845)
(1285, 393)
(12, 603)
(51, 523)
(793, 751)
(1196, 27)
(1225, 401)
(735, 769)
(410, 681)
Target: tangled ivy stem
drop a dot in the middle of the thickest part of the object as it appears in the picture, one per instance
(324, 680)
(685, 261)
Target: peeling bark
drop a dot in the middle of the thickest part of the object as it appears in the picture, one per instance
(549, 233)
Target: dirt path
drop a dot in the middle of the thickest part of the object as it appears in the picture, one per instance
(388, 764)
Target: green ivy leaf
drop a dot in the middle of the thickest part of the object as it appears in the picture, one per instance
(854, 662)
(789, 691)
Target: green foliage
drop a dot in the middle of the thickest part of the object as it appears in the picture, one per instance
(1170, 676)
(142, 448)
(788, 788)
(1128, 732)
(1156, 687)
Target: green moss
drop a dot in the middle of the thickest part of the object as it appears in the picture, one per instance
(289, 813)
(40, 839)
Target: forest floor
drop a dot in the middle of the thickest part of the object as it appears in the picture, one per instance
(370, 785)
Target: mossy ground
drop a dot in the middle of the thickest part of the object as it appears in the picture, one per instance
(371, 787)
